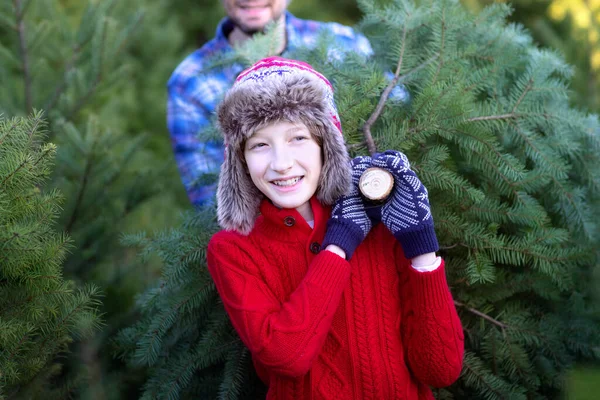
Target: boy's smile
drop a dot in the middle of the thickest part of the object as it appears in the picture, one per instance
(284, 162)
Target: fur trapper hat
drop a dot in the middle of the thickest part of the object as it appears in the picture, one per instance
(275, 90)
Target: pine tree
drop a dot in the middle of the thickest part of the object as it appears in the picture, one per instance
(513, 174)
(70, 60)
(40, 311)
(571, 27)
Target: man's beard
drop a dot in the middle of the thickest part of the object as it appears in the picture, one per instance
(251, 31)
(248, 31)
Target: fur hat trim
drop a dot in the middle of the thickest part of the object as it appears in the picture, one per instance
(275, 90)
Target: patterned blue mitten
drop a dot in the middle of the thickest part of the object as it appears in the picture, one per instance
(407, 212)
(349, 224)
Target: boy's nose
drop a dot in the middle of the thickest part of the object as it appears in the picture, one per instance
(282, 161)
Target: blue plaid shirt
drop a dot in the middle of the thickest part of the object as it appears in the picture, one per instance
(194, 93)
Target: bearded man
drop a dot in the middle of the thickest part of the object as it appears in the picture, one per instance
(194, 90)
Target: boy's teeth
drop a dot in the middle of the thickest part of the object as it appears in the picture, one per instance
(289, 182)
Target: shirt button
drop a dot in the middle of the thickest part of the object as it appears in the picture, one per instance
(315, 248)
(289, 221)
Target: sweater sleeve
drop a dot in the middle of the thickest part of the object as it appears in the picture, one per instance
(431, 330)
(283, 336)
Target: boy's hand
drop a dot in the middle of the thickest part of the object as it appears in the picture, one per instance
(407, 212)
(349, 223)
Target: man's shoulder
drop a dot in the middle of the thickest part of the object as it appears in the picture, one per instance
(343, 34)
(308, 26)
(342, 31)
(197, 62)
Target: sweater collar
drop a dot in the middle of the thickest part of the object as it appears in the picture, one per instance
(288, 223)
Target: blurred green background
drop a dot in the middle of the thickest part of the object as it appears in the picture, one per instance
(135, 106)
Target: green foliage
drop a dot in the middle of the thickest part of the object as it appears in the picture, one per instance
(490, 116)
(574, 35)
(51, 64)
(198, 360)
(73, 60)
(40, 311)
(513, 176)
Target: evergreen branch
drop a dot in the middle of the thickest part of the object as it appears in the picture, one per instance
(14, 236)
(384, 97)
(17, 348)
(14, 307)
(533, 146)
(19, 15)
(50, 277)
(514, 359)
(527, 89)
(44, 154)
(453, 246)
(510, 115)
(175, 386)
(10, 129)
(525, 251)
(156, 333)
(65, 319)
(493, 165)
(37, 121)
(492, 117)
(482, 315)
(547, 341)
(417, 128)
(82, 188)
(440, 54)
(508, 213)
(86, 97)
(494, 353)
(482, 379)
(60, 88)
(569, 196)
(45, 219)
(99, 76)
(418, 68)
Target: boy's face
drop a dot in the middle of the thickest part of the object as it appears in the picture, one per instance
(252, 16)
(285, 162)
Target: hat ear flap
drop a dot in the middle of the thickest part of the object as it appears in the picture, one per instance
(336, 176)
(238, 200)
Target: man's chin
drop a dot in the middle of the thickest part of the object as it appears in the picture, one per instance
(250, 29)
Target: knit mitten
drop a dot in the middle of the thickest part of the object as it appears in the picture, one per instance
(349, 224)
(407, 212)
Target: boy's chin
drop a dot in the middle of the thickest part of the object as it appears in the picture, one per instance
(290, 204)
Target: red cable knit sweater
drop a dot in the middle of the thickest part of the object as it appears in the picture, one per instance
(321, 327)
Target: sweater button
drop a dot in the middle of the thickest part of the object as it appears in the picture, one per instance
(315, 248)
(289, 221)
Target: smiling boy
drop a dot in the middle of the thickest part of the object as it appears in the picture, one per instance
(331, 302)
